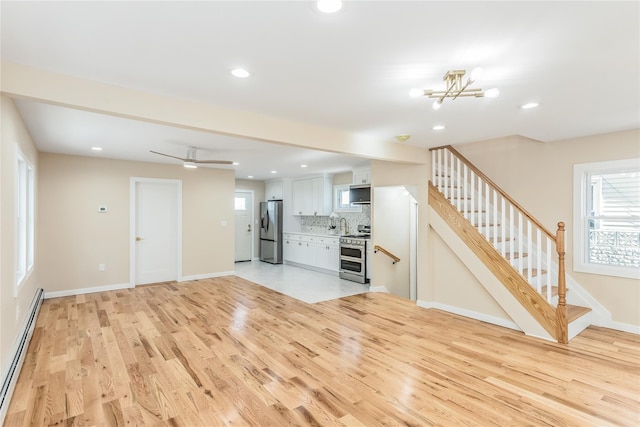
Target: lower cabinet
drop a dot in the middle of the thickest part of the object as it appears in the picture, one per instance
(312, 251)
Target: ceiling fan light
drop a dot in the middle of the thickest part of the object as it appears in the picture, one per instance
(437, 105)
(190, 165)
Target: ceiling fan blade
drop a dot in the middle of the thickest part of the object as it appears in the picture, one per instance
(214, 162)
(168, 155)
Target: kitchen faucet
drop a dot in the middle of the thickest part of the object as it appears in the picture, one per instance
(346, 225)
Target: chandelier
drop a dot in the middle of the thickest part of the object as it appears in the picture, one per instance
(456, 87)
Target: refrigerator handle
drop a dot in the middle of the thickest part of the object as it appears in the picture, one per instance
(267, 228)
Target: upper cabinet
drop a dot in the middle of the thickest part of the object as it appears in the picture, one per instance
(273, 190)
(361, 176)
(312, 196)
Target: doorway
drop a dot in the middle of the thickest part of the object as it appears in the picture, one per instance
(155, 230)
(243, 229)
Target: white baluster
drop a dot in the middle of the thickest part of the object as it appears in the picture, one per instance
(520, 240)
(549, 275)
(440, 167)
(495, 217)
(446, 174)
(433, 168)
(465, 184)
(487, 193)
(471, 202)
(539, 256)
(512, 250)
(529, 250)
(458, 183)
(479, 224)
(503, 227)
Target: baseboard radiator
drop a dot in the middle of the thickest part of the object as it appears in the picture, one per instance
(20, 351)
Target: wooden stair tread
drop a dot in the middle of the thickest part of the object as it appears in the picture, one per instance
(515, 255)
(576, 311)
(500, 239)
(534, 272)
(554, 290)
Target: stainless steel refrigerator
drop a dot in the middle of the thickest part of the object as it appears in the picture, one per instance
(271, 231)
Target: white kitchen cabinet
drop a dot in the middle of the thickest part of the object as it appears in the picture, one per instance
(361, 176)
(328, 253)
(273, 189)
(312, 196)
(301, 196)
(316, 252)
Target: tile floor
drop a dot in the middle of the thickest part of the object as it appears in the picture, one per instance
(306, 285)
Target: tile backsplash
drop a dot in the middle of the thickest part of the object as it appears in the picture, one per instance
(320, 224)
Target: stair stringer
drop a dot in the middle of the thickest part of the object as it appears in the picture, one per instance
(516, 311)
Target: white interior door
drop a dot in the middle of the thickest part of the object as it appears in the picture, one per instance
(243, 228)
(157, 231)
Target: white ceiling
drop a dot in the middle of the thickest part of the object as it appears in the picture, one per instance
(350, 71)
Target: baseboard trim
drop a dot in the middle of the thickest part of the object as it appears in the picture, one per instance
(379, 289)
(19, 351)
(206, 276)
(619, 326)
(73, 292)
(468, 313)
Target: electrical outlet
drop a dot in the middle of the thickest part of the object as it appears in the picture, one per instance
(101, 267)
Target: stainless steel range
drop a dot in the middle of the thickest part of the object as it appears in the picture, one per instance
(353, 255)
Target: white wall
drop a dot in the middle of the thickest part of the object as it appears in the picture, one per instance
(415, 177)
(391, 230)
(13, 309)
(75, 238)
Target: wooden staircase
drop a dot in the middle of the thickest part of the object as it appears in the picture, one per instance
(518, 250)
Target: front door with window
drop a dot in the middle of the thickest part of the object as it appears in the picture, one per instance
(243, 230)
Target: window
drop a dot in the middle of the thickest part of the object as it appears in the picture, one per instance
(607, 218)
(240, 204)
(341, 200)
(25, 210)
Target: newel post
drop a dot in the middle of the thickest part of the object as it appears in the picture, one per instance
(562, 328)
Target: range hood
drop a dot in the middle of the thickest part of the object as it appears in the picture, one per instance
(360, 194)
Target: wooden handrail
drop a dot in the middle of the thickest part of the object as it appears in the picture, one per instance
(561, 309)
(377, 248)
(498, 189)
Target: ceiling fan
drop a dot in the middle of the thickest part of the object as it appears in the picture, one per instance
(191, 162)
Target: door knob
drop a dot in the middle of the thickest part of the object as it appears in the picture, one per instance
(138, 238)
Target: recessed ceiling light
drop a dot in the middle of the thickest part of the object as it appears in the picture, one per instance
(529, 105)
(329, 6)
(96, 148)
(250, 176)
(303, 166)
(274, 171)
(438, 127)
(235, 163)
(240, 73)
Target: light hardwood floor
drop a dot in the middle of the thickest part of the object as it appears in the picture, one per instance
(229, 352)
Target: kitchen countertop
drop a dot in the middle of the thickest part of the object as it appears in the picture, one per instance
(311, 234)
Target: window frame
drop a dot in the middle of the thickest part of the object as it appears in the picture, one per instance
(337, 189)
(25, 219)
(581, 198)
